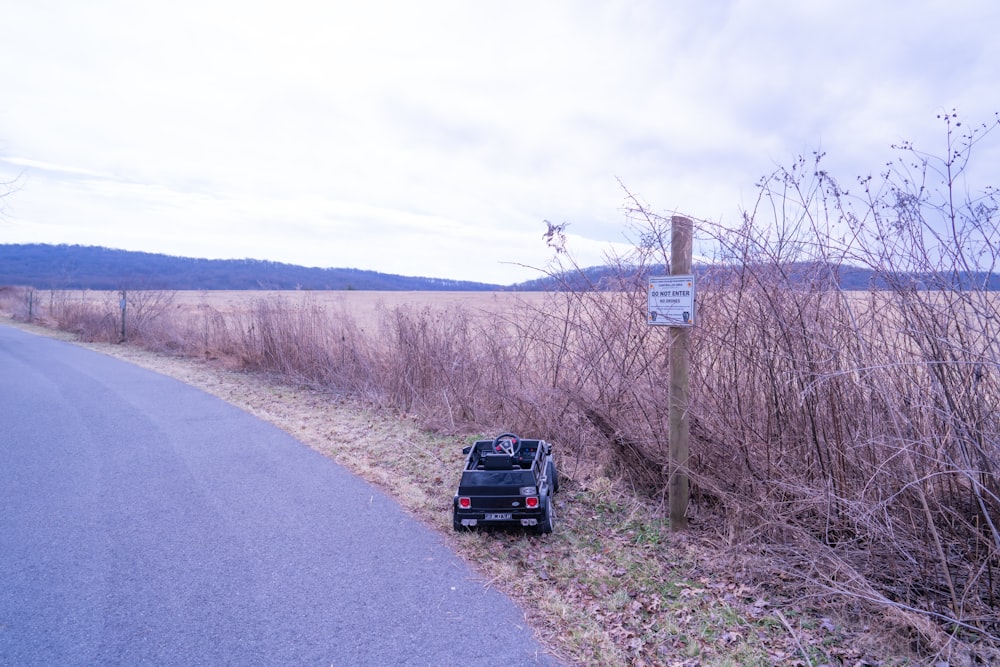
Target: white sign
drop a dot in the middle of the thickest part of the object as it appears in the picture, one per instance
(671, 301)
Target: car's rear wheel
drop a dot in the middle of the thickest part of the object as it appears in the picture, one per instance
(553, 476)
(548, 521)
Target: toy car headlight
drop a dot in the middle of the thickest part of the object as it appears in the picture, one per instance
(529, 490)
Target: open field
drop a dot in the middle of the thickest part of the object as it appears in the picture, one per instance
(362, 306)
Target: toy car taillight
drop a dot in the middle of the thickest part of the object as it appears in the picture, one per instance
(465, 503)
(531, 502)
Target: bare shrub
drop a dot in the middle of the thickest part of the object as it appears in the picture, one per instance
(304, 343)
(97, 316)
(454, 368)
(77, 313)
(865, 421)
(146, 318)
(207, 332)
(20, 303)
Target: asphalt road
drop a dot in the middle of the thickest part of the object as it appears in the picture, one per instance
(144, 522)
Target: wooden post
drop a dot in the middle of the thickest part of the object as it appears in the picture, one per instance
(680, 264)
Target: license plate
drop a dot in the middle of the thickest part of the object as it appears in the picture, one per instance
(498, 517)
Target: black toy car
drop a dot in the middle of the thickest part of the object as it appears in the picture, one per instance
(507, 481)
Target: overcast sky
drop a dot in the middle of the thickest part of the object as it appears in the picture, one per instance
(433, 138)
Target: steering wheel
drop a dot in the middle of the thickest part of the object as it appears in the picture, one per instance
(508, 443)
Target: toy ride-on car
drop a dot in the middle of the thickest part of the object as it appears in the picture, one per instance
(507, 481)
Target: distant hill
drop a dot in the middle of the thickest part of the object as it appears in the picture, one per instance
(845, 277)
(606, 278)
(88, 267)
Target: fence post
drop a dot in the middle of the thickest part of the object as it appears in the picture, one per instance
(122, 304)
(679, 486)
